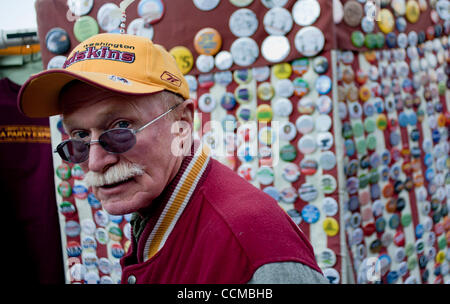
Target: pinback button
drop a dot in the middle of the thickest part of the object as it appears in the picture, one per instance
(330, 206)
(57, 41)
(300, 66)
(288, 153)
(323, 123)
(309, 41)
(243, 76)
(327, 160)
(288, 131)
(370, 41)
(151, 10)
(264, 113)
(265, 91)
(243, 22)
(324, 140)
(324, 104)
(205, 63)
(282, 106)
(243, 94)
(307, 144)
(320, 64)
(306, 105)
(282, 70)
(310, 213)
(223, 60)
(386, 21)
(278, 21)
(56, 62)
(349, 147)
(301, 87)
(353, 12)
(241, 3)
(355, 110)
(80, 7)
(284, 88)
(206, 5)
(367, 24)
(358, 129)
(323, 84)
(305, 124)
(412, 11)
(109, 17)
(289, 195)
(228, 101)
(183, 58)
(391, 40)
(265, 175)
(275, 48)
(206, 103)
(273, 192)
(244, 51)
(306, 12)
(85, 27)
(208, 41)
(330, 226)
(400, 24)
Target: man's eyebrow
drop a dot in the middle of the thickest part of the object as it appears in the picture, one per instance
(102, 119)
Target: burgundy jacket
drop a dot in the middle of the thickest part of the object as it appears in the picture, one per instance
(227, 230)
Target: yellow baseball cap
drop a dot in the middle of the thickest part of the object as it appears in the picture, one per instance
(126, 64)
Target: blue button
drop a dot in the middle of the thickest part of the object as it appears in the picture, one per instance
(380, 224)
(412, 119)
(428, 160)
(392, 277)
(429, 174)
(349, 147)
(436, 136)
(273, 192)
(310, 214)
(420, 230)
(394, 138)
(403, 119)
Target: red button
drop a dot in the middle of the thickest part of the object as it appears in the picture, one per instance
(369, 229)
(399, 239)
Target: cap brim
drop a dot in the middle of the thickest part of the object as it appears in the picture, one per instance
(39, 95)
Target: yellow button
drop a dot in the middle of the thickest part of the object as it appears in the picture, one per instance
(386, 21)
(265, 91)
(440, 256)
(331, 226)
(264, 113)
(282, 70)
(364, 93)
(412, 11)
(208, 41)
(183, 57)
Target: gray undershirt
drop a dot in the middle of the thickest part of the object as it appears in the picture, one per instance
(287, 273)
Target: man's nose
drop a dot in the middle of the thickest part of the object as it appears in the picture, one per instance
(99, 159)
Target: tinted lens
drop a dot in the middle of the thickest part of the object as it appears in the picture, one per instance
(117, 140)
(74, 151)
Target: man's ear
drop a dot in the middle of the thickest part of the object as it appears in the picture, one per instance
(187, 111)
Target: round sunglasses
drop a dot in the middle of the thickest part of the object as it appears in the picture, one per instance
(116, 141)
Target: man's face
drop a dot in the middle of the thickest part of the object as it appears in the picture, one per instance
(152, 151)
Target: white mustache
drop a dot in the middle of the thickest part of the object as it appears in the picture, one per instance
(118, 173)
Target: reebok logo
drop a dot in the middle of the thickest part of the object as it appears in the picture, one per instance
(170, 78)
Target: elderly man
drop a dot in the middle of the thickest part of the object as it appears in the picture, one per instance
(127, 111)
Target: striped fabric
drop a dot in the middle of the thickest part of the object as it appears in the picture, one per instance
(176, 204)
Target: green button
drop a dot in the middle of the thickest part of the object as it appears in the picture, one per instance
(409, 249)
(370, 41)
(442, 242)
(361, 146)
(371, 142)
(288, 153)
(363, 181)
(442, 87)
(85, 27)
(374, 176)
(406, 220)
(412, 263)
(370, 125)
(357, 39)
(379, 40)
(358, 129)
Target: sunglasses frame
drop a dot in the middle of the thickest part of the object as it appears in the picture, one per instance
(133, 131)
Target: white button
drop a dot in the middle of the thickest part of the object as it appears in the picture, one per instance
(244, 51)
(306, 12)
(131, 279)
(205, 63)
(309, 41)
(275, 48)
(223, 60)
(278, 21)
(243, 22)
(206, 103)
